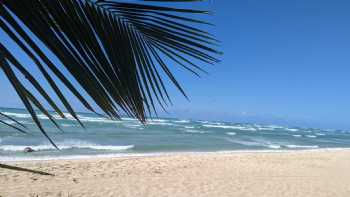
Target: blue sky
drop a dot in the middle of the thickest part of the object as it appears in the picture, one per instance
(285, 62)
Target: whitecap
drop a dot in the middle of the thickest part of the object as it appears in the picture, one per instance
(67, 144)
(97, 119)
(68, 125)
(265, 129)
(229, 127)
(181, 121)
(195, 131)
(134, 126)
(293, 130)
(103, 147)
(17, 115)
(300, 146)
(274, 146)
(231, 133)
(274, 127)
(129, 119)
(247, 129)
(44, 117)
(160, 123)
(58, 117)
(81, 118)
(297, 135)
(9, 122)
(21, 148)
(311, 136)
(158, 120)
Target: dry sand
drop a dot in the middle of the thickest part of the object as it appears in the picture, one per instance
(300, 173)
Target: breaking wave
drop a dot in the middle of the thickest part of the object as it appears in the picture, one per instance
(69, 144)
(301, 146)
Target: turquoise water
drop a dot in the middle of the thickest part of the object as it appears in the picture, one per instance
(104, 137)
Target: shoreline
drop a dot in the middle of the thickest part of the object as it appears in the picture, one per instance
(162, 154)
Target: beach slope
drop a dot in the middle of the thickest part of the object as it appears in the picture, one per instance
(277, 174)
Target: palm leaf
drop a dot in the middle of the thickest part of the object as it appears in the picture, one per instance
(13, 120)
(114, 50)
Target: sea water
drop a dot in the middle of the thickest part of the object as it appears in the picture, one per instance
(105, 137)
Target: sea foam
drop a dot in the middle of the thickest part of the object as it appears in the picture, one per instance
(64, 147)
(301, 146)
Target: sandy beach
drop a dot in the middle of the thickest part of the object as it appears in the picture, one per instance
(275, 174)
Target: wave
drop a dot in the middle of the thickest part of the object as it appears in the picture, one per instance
(17, 148)
(231, 133)
(274, 146)
(265, 129)
(301, 146)
(129, 119)
(255, 143)
(10, 122)
(81, 118)
(297, 135)
(66, 145)
(132, 125)
(274, 127)
(158, 120)
(181, 121)
(160, 123)
(247, 129)
(97, 119)
(195, 131)
(229, 127)
(75, 157)
(17, 115)
(293, 130)
(311, 136)
(26, 122)
(68, 125)
(57, 117)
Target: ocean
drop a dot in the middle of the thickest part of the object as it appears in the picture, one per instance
(109, 138)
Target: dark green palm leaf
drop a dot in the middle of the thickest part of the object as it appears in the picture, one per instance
(12, 119)
(114, 50)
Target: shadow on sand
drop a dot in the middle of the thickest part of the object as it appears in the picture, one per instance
(24, 170)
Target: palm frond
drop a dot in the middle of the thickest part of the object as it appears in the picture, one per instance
(13, 120)
(114, 50)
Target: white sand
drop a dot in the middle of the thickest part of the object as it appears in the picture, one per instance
(301, 173)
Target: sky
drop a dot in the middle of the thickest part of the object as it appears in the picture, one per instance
(284, 62)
